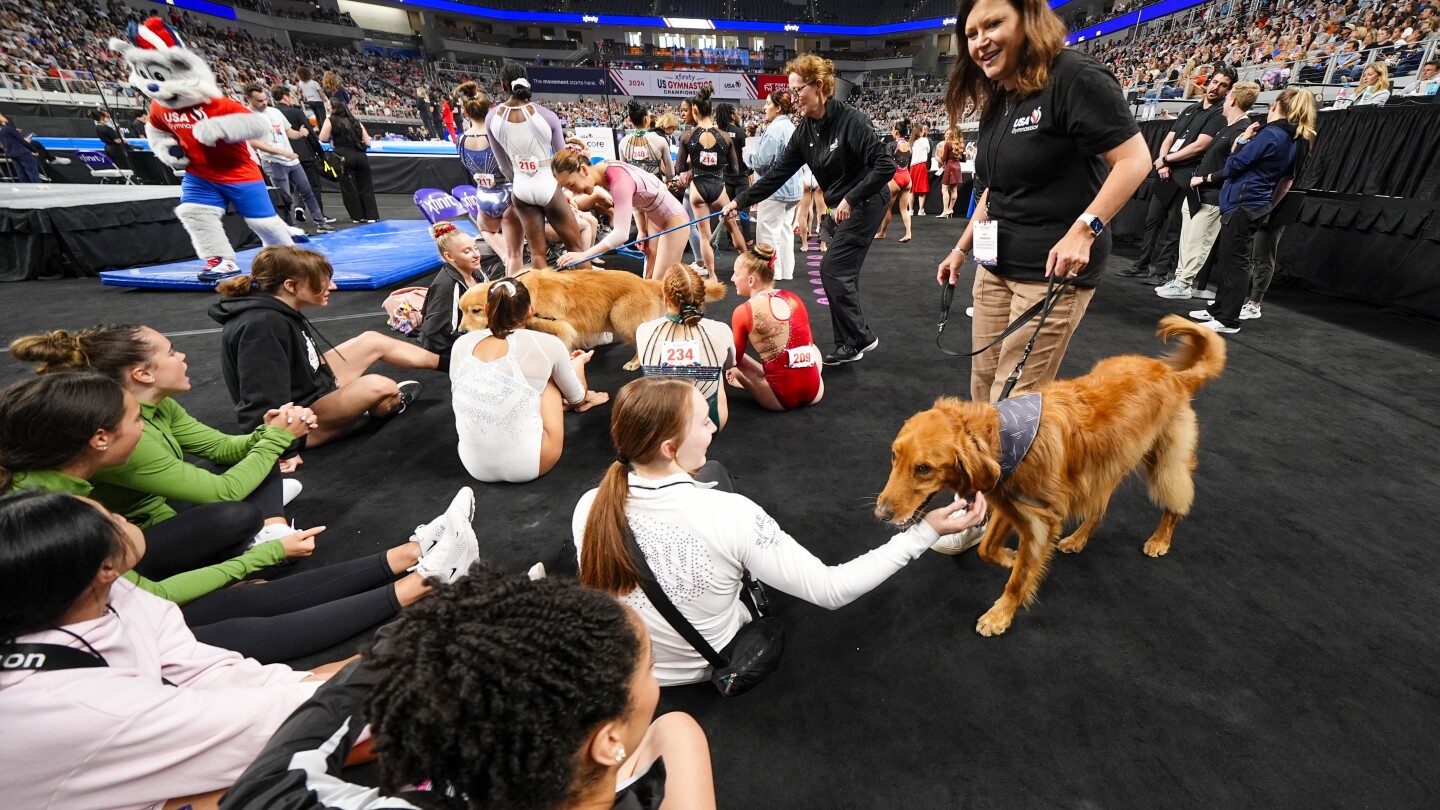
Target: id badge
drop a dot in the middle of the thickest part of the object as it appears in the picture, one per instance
(987, 243)
(528, 164)
(680, 353)
(485, 180)
(802, 356)
(1175, 147)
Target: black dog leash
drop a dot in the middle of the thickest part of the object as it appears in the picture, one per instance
(1053, 294)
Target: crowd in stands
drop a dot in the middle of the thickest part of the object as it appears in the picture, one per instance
(1290, 41)
(296, 11)
(64, 41)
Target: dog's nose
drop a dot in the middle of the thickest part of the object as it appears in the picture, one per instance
(884, 512)
(152, 87)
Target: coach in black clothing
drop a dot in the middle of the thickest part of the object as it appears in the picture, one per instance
(307, 146)
(851, 164)
(1180, 154)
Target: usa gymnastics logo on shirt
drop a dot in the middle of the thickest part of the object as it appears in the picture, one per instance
(1026, 123)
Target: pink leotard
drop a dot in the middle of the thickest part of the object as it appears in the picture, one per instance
(636, 191)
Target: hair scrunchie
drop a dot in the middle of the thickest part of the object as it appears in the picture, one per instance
(444, 228)
(507, 285)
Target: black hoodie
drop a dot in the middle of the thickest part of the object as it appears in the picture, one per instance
(269, 356)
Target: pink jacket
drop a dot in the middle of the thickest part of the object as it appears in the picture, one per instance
(117, 736)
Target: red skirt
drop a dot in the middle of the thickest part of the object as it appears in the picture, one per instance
(920, 178)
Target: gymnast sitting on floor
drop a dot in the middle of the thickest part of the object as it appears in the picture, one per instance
(270, 357)
(684, 343)
(775, 324)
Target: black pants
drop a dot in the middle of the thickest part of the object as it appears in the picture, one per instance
(269, 496)
(1162, 214)
(1237, 232)
(317, 107)
(199, 536)
(840, 270)
(356, 186)
(298, 615)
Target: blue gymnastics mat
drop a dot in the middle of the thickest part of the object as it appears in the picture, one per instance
(366, 257)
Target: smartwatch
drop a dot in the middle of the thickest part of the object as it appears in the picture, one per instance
(1092, 222)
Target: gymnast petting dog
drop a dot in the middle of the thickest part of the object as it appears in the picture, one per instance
(579, 306)
(1060, 452)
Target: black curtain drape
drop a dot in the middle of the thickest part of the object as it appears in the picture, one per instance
(1377, 151)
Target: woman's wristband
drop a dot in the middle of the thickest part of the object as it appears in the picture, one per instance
(960, 250)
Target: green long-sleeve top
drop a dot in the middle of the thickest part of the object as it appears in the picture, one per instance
(182, 588)
(157, 471)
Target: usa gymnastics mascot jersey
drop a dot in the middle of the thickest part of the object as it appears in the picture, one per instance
(193, 127)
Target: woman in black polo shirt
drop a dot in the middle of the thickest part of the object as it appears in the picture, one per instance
(1052, 119)
(839, 144)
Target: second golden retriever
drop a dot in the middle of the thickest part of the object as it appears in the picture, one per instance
(1129, 412)
(578, 305)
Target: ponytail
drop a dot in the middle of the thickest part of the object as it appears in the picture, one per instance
(605, 562)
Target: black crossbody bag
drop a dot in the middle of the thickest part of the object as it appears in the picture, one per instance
(754, 652)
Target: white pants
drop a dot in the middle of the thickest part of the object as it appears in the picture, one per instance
(1197, 235)
(774, 225)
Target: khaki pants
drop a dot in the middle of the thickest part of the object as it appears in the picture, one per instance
(998, 301)
(1197, 235)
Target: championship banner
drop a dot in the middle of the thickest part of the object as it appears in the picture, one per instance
(599, 140)
(583, 81)
(676, 84)
(768, 83)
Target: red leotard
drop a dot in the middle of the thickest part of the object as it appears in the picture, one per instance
(793, 387)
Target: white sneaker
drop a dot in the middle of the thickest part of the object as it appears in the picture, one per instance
(271, 531)
(292, 490)
(959, 542)
(1207, 295)
(700, 269)
(920, 213)
(450, 556)
(536, 572)
(409, 391)
(1250, 311)
(1201, 315)
(1220, 327)
(969, 312)
(1173, 289)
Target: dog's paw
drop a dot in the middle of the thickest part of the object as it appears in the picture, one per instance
(1004, 558)
(1072, 544)
(995, 621)
(1157, 546)
(633, 365)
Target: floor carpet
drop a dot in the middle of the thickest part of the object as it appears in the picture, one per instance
(1282, 655)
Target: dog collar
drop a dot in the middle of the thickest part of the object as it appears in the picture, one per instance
(1019, 423)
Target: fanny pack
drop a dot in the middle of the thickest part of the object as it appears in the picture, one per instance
(754, 652)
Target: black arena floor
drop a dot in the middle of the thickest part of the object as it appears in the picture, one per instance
(1283, 654)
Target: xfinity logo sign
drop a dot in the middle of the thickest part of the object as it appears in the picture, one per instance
(589, 18)
(948, 21)
(793, 28)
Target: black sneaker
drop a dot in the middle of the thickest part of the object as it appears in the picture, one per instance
(1138, 271)
(848, 354)
(409, 392)
(1157, 281)
(300, 214)
(324, 228)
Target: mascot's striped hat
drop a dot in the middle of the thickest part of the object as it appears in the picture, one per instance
(153, 35)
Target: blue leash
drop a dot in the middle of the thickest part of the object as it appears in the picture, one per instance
(622, 249)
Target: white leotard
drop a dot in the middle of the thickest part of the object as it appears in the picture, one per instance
(497, 403)
(525, 149)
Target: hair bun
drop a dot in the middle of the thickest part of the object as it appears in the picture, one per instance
(705, 92)
(52, 350)
(468, 90)
(764, 251)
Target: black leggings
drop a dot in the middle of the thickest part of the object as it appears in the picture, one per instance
(199, 536)
(298, 615)
(210, 533)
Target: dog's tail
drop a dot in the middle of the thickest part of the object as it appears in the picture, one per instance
(715, 290)
(1201, 355)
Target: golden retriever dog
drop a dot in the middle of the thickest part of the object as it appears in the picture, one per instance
(578, 305)
(1130, 412)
